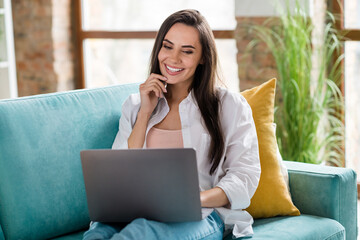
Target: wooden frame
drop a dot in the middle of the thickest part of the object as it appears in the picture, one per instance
(82, 35)
(79, 80)
(140, 34)
(350, 35)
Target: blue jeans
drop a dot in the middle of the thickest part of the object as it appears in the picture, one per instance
(210, 228)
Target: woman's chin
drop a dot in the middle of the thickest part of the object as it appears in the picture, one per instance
(171, 80)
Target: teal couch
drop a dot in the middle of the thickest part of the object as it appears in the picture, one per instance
(42, 192)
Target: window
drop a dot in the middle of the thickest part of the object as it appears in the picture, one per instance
(352, 16)
(352, 100)
(116, 37)
(350, 23)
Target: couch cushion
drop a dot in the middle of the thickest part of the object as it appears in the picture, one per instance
(72, 236)
(326, 192)
(296, 227)
(272, 197)
(42, 193)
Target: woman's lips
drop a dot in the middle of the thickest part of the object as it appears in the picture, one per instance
(173, 70)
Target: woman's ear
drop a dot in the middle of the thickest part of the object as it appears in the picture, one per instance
(201, 61)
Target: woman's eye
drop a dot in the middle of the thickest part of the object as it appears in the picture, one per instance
(166, 47)
(188, 52)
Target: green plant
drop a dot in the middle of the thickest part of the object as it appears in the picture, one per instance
(310, 108)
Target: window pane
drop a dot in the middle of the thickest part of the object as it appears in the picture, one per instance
(110, 61)
(352, 102)
(3, 51)
(352, 14)
(113, 61)
(136, 15)
(227, 52)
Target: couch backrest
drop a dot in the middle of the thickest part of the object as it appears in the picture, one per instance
(42, 192)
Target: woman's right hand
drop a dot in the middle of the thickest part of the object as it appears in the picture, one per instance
(150, 92)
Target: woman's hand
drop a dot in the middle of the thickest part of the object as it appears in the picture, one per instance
(150, 91)
(214, 197)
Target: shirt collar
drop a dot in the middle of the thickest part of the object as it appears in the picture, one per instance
(190, 98)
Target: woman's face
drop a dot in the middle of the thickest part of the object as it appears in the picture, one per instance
(180, 54)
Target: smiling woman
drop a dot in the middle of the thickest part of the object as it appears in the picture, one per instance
(117, 49)
(180, 54)
(195, 113)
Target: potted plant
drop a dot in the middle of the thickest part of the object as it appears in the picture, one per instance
(309, 110)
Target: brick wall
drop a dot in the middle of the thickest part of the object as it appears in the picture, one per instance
(43, 46)
(256, 65)
(63, 44)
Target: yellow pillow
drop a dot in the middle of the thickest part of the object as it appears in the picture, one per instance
(271, 197)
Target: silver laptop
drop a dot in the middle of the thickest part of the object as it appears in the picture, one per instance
(156, 184)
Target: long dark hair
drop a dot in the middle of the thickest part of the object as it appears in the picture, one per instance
(205, 77)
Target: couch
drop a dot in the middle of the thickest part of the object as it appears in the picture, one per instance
(42, 194)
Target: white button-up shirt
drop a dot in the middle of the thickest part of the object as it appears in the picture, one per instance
(238, 173)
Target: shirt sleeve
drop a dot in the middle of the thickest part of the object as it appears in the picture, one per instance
(126, 122)
(242, 164)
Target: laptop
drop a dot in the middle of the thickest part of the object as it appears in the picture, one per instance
(156, 184)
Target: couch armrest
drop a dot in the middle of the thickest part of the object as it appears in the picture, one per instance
(2, 237)
(325, 191)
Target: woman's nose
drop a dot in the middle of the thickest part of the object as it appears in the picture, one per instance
(175, 56)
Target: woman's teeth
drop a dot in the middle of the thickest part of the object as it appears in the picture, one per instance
(174, 69)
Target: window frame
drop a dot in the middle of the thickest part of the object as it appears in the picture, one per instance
(349, 34)
(338, 7)
(82, 35)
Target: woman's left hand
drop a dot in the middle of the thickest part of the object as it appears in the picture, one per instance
(213, 198)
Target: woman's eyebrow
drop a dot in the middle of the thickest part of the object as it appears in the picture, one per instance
(188, 46)
(183, 46)
(166, 40)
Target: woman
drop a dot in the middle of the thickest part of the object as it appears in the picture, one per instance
(180, 106)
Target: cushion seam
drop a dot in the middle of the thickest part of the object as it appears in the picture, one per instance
(334, 234)
(70, 93)
(347, 171)
(315, 173)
